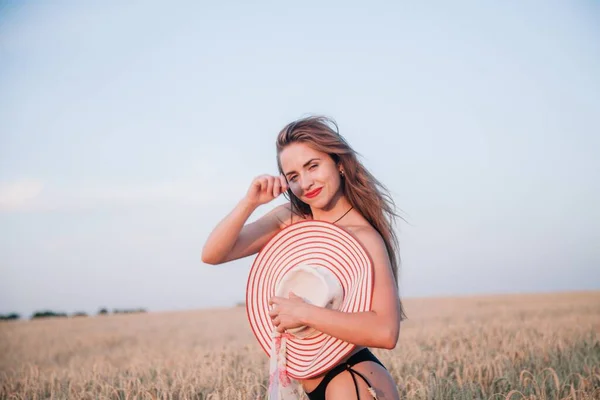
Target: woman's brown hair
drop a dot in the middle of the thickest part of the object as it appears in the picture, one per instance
(365, 193)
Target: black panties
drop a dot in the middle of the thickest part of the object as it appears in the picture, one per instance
(364, 355)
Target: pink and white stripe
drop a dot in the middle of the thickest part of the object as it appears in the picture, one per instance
(318, 243)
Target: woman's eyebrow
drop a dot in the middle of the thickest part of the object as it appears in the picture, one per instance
(304, 166)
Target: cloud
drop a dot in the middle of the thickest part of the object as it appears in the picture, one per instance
(18, 195)
(33, 196)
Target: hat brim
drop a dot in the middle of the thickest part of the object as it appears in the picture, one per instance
(317, 243)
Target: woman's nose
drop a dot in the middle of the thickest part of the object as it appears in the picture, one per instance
(307, 182)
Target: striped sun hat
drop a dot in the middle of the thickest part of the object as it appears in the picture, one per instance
(321, 245)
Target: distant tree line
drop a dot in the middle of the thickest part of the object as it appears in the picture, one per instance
(53, 314)
(128, 311)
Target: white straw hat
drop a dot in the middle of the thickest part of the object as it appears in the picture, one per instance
(324, 265)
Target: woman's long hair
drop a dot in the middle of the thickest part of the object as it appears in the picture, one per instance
(365, 193)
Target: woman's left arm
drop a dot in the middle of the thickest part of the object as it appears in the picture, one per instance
(379, 327)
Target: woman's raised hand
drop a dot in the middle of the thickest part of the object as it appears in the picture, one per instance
(265, 188)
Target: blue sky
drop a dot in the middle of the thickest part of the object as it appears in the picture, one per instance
(128, 130)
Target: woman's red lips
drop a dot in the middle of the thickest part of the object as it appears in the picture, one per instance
(313, 193)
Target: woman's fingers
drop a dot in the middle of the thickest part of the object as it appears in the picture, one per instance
(275, 300)
(265, 188)
(280, 185)
(276, 187)
(263, 182)
(273, 313)
(257, 184)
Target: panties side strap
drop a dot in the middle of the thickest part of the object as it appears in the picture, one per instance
(362, 355)
(352, 372)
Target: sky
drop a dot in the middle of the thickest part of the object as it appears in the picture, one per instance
(128, 130)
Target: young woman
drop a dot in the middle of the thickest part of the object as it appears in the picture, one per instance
(323, 179)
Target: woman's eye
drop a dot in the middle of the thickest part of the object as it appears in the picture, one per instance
(313, 166)
(293, 179)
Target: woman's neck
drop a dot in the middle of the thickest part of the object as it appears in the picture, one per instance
(333, 211)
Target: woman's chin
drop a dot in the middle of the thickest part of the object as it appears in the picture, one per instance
(319, 204)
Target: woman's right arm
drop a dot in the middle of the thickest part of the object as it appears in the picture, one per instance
(231, 238)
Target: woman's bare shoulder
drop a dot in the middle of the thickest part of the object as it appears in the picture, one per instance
(286, 216)
(368, 236)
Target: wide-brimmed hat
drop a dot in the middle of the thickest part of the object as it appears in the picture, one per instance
(327, 267)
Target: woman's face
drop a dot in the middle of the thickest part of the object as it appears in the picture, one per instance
(312, 175)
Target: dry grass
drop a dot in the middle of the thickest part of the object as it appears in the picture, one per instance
(500, 347)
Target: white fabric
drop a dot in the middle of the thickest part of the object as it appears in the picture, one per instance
(281, 385)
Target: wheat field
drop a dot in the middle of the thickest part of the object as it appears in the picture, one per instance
(544, 346)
